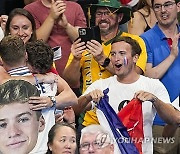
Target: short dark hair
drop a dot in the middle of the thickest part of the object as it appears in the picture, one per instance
(136, 49)
(152, 2)
(52, 133)
(23, 12)
(17, 91)
(12, 50)
(40, 55)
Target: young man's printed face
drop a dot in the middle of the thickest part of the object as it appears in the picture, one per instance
(19, 128)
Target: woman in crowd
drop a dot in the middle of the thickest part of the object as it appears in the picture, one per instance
(144, 18)
(21, 23)
(62, 139)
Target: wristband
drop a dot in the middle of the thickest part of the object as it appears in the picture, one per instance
(106, 62)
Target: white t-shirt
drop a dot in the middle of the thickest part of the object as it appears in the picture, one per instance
(119, 92)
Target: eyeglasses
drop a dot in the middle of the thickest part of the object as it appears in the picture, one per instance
(106, 13)
(96, 145)
(102, 140)
(167, 5)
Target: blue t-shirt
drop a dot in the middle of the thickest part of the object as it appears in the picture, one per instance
(158, 50)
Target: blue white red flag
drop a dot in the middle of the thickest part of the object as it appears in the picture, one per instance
(120, 133)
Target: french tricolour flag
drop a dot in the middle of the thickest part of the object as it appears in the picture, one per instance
(126, 126)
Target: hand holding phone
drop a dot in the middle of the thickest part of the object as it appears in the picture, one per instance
(58, 115)
(90, 33)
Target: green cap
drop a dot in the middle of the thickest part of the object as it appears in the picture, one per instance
(126, 10)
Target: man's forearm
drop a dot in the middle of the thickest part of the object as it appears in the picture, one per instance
(66, 96)
(167, 112)
(72, 73)
(65, 99)
(72, 32)
(83, 104)
(44, 31)
(169, 130)
(158, 71)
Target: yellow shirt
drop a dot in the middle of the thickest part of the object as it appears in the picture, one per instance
(92, 71)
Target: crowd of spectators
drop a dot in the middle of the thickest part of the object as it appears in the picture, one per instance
(61, 94)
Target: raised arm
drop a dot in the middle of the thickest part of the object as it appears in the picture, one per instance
(159, 70)
(66, 96)
(57, 9)
(72, 71)
(71, 30)
(96, 49)
(3, 20)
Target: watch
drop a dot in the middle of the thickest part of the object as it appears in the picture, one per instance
(53, 100)
(106, 62)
